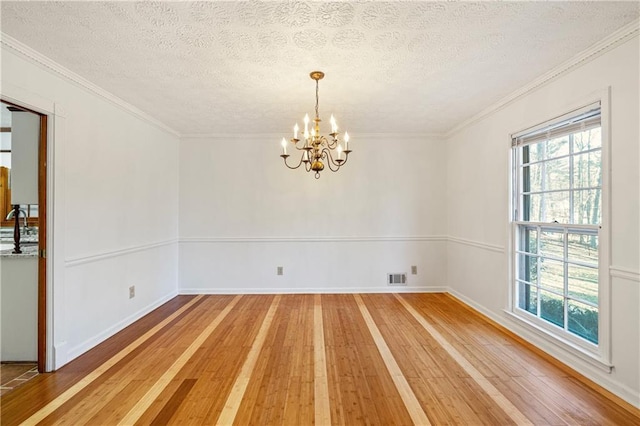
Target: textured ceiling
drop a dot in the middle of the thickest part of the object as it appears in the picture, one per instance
(243, 67)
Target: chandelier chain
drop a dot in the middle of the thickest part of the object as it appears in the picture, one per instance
(317, 115)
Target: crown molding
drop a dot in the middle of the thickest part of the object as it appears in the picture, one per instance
(615, 39)
(39, 59)
(277, 136)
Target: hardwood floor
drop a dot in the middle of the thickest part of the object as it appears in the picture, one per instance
(304, 359)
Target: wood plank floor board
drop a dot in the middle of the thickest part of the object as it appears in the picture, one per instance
(484, 407)
(118, 389)
(499, 399)
(275, 388)
(592, 399)
(170, 352)
(114, 408)
(163, 400)
(236, 395)
(354, 357)
(321, 396)
(497, 361)
(465, 389)
(227, 350)
(528, 362)
(300, 380)
(435, 407)
(525, 358)
(69, 376)
(530, 404)
(43, 388)
(456, 408)
(584, 400)
(415, 348)
(487, 365)
(479, 346)
(265, 356)
(504, 359)
(169, 409)
(556, 401)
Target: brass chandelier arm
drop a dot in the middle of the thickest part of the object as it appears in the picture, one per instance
(295, 145)
(333, 143)
(326, 154)
(285, 156)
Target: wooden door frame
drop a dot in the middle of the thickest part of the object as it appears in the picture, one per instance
(42, 246)
(42, 237)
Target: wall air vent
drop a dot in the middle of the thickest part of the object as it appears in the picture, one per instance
(396, 279)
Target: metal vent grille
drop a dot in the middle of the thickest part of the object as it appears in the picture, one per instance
(397, 279)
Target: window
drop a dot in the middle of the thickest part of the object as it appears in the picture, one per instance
(557, 217)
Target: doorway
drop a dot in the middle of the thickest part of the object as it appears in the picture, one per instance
(23, 231)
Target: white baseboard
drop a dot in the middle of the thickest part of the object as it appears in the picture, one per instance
(60, 353)
(318, 290)
(565, 356)
(101, 337)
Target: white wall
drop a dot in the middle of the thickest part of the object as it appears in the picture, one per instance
(25, 137)
(478, 206)
(114, 212)
(243, 214)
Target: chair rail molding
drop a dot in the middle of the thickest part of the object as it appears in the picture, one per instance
(624, 273)
(477, 244)
(310, 239)
(80, 260)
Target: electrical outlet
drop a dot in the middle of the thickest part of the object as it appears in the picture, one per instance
(132, 292)
(280, 270)
(414, 270)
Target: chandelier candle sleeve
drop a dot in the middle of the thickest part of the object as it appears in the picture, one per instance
(318, 152)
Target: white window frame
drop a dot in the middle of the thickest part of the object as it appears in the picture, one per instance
(600, 354)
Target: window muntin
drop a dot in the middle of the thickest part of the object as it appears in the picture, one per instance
(557, 217)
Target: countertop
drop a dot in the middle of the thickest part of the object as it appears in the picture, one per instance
(28, 243)
(29, 249)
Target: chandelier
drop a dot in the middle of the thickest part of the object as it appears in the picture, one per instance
(316, 150)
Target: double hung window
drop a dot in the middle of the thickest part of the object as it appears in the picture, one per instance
(557, 217)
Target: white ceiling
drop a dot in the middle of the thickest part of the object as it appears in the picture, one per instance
(243, 67)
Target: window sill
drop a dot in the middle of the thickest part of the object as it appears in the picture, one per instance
(563, 344)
